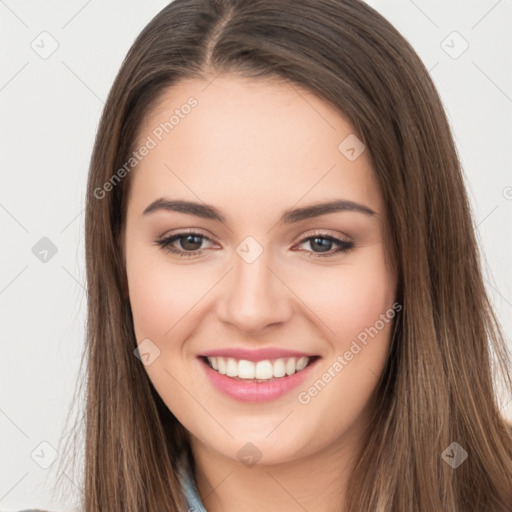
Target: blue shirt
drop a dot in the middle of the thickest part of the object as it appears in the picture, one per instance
(188, 485)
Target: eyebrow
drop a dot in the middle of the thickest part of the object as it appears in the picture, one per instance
(288, 217)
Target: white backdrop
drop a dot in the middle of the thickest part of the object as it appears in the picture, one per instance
(59, 61)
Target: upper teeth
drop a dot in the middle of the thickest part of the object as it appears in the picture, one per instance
(265, 369)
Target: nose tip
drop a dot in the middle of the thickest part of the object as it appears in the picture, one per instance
(254, 297)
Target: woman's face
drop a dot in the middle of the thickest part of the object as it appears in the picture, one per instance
(250, 159)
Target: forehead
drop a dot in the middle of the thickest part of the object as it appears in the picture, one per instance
(250, 142)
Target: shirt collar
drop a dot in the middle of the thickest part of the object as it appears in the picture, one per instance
(188, 484)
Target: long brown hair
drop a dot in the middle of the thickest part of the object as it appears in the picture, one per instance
(437, 387)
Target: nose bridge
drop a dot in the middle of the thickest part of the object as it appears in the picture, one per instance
(255, 297)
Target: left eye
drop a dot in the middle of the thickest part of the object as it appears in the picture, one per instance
(325, 242)
(191, 243)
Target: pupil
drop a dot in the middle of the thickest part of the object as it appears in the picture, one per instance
(323, 245)
(188, 238)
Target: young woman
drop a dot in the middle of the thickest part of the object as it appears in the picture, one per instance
(286, 309)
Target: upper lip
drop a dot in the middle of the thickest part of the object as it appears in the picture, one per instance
(255, 355)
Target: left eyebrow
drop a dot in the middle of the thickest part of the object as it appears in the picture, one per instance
(288, 217)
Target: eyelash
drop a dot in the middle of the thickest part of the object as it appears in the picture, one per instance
(165, 243)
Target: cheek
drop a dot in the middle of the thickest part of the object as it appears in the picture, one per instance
(351, 298)
(358, 309)
(153, 302)
(159, 297)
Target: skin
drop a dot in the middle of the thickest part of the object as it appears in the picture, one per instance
(240, 150)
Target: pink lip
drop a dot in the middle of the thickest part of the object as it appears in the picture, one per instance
(255, 355)
(247, 391)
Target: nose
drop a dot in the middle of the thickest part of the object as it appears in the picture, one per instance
(255, 296)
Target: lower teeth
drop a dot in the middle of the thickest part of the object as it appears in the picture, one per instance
(254, 380)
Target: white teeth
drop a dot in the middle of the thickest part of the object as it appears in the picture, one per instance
(263, 370)
(260, 370)
(290, 367)
(246, 369)
(222, 365)
(231, 368)
(279, 368)
(302, 363)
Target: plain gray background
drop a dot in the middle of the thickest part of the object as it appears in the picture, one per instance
(50, 108)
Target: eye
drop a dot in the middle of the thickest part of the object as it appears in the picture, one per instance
(190, 241)
(324, 242)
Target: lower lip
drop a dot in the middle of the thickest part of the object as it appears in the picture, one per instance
(256, 391)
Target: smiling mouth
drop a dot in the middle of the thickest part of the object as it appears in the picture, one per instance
(266, 370)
